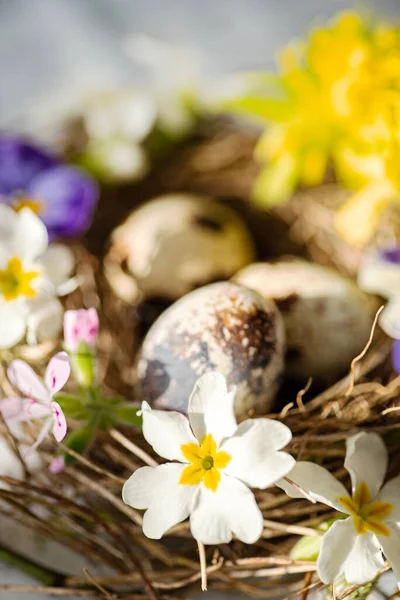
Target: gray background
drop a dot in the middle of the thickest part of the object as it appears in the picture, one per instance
(45, 44)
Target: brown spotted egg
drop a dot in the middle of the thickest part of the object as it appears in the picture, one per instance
(224, 327)
(327, 317)
(174, 244)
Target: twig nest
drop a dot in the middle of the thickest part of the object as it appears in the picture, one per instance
(327, 317)
(176, 243)
(225, 327)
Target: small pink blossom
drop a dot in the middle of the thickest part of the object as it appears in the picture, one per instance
(37, 400)
(57, 465)
(80, 326)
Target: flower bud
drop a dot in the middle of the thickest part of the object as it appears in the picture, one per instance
(80, 326)
(83, 362)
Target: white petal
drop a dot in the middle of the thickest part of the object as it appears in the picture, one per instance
(391, 547)
(389, 319)
(336, 546)
(379, 276)
(58, 263)
(166, 432)
(8, 224)
(231, 509)
(366, 461)
(31, 237)
(10, 464)
(364, 561)
(211, 407)
(57, 372)
(24, 378)
(254, 451)
(391, 493)
(12, 325)
(317, 482)
(45, 319)
(158, 490)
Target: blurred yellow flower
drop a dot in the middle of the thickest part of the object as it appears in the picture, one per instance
(336, 101)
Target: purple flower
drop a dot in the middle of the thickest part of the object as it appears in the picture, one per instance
(391, 255)
(396, 355)
(62, 195)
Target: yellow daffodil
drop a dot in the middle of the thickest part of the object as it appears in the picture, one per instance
(336, 101)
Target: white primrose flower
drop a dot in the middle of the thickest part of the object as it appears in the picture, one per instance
(32, 275)
(216, 461)
(354, 546)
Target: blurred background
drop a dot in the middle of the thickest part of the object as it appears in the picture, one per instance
(47, 45)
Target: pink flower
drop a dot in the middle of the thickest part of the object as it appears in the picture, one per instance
(57, 465)
(37, 401)
(80, 326)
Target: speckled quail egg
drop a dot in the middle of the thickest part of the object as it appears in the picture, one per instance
(327, 317)
(222, 327)
(174, 244)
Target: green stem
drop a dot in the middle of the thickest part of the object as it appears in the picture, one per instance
(39, 573)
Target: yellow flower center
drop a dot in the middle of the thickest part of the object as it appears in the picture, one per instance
(21, 202)
(206, 463)
(14, 281)
(367, 515)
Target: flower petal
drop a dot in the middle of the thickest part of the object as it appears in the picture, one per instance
(31, 410)
(231, 509)
(24, 378)
(254, 451)
(158, 490)
(317, 482)
(336, 546)
(70, 196)
(211, 407)
(57, 372)
(20, 161)
(45, 319)
(389, 319)
(60, 423)
(391, 493)
(58, 263)
(379, 275)
(357, 220)
(42, 435)
(12, 325)
(396, 356)
(8, 224)
(364, 560)
(31, 237)
(390, 546)
(366, 461)
(166, 432)
(11, 408)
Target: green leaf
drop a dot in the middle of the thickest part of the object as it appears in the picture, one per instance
(262, 108)
(307, 548)
(277, 182)
(72, 405)
(127, 413)
(79, 440)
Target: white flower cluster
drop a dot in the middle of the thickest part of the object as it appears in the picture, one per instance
(213, 462)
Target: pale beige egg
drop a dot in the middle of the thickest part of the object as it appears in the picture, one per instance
(327, 317)
(174, 244)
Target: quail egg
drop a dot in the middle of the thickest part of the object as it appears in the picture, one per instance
(174, 244)
(224, 327)
(327, 317)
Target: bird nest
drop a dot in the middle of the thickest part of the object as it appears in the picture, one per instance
(82, 507)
